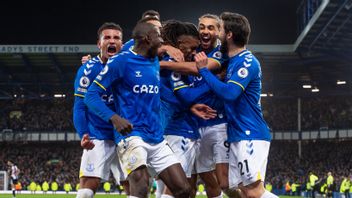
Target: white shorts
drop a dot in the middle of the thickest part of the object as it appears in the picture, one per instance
(213, 148)
(248, 160)
(134, 152)
(100, 160)
(185, 150)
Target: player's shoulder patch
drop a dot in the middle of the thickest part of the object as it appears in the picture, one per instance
(242, 72)
(84, 81)
(175, 76)
(217, 55)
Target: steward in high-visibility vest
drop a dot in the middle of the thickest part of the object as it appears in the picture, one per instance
(45, 187)
(54, 186)
(107, 187)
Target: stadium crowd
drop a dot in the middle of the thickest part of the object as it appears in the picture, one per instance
(280, 114)
(36, 115)
(318, 157)
(43, 162)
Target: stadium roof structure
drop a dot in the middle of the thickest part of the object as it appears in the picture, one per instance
(320, 57)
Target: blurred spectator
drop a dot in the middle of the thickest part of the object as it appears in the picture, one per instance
(280, 113)
(36, 115)
(319, 157)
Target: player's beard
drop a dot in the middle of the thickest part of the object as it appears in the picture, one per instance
(224, 47)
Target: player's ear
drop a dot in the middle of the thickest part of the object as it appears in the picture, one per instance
(98, 43)
(147, 39)
(229, 35)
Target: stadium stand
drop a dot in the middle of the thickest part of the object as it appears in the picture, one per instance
(280, 113)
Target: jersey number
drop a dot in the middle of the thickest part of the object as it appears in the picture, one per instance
(240, 166)
(227, 145)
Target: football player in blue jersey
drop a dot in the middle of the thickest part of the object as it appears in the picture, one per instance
(214, 150)
(181, 131)
(248, 133)
(97, 136)
(134, 78)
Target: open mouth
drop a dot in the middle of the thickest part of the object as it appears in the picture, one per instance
(205, 39)
(112, 49)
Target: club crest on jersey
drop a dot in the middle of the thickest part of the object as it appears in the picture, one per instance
(132, 160)
(138, 74)
(152, 89)
(243, 72)
(84, 81)
(104, 70)
(90, 167)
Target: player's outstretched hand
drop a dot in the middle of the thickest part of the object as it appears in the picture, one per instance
(122, 125)
(201, 60)
(174, 53)
(86, 143)
(86, 58)
(203, 111)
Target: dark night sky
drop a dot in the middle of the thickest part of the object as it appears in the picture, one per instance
(76, 21)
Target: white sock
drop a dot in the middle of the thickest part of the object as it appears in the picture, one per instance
(85, 193)
(268, 194)
(166, 196)
(159, 188)
(130, 196)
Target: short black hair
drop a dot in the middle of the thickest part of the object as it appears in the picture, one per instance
(149, 18)
(238, 25)
(173, 29)
(108, 25)
(151, 13)
(191, 29)
(141, 30)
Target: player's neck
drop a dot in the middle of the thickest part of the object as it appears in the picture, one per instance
(234, 50)
(141, 51)
(103, 59)
(211, 48)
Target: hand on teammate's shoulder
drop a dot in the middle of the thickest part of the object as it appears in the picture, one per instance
(201, 60)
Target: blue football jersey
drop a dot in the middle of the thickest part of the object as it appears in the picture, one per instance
(215, 55)
(245, 118)
(127, 46)
(169, 102)
(97, 127)
(209, 98)
(135, 83)
(181, 122)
